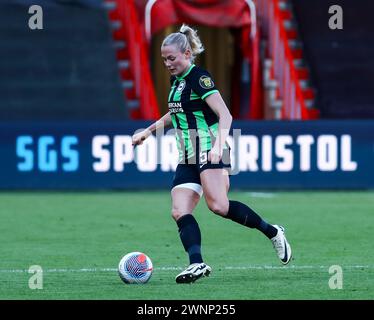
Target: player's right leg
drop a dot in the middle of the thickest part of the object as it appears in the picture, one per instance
(185, 196)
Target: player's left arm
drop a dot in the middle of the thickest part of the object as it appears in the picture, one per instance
(216, 103)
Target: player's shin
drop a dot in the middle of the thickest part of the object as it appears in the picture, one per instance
(190, 236)
(241, 213)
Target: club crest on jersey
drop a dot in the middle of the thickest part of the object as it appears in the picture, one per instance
(206, 82)
(181, 86)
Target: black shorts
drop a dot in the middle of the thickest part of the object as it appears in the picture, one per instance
(189, 171)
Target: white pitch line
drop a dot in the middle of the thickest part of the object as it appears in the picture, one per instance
(261, 195)
(292, 267)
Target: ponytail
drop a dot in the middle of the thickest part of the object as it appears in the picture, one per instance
(186, 38)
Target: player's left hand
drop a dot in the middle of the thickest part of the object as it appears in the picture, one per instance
(215, 154)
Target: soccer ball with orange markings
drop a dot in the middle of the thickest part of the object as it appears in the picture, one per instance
(135, 267)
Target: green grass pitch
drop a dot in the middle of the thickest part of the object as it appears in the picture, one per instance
(78, 239)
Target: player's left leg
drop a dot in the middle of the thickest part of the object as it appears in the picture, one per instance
(215, 184)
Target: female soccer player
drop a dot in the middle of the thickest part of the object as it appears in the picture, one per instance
(202, 122)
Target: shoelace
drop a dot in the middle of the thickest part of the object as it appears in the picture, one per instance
(278, 245)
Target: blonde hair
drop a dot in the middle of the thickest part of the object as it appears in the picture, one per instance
(186, 38)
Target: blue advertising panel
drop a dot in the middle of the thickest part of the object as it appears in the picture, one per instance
(265, 155)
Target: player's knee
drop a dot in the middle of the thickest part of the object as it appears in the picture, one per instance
(219, 207)
(176, 214)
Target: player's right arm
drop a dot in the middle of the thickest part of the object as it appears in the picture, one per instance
(163, 122)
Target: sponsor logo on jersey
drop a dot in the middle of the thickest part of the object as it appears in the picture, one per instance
(175, 107)
(181, 86)
(206, 82)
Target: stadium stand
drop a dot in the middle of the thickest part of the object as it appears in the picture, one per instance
(289, 94)
(65, 71)
(133, 60)
(89, 63)
(342, 65)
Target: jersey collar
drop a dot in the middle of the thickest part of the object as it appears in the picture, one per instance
(185, 74)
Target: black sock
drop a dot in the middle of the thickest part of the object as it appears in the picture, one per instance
(241, 213)
(190, 235)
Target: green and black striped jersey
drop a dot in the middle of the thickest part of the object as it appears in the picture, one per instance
(194, 121)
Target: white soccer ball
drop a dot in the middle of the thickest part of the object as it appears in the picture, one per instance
(135, 267)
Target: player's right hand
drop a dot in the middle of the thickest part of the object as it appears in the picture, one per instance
(138, 138)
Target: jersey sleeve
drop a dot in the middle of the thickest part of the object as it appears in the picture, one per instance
(202, 84)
